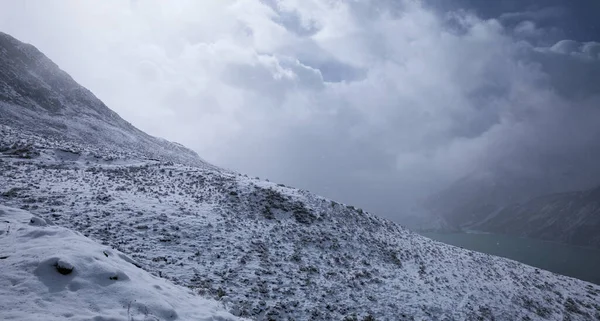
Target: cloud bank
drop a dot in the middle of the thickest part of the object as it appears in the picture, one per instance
(376, 103)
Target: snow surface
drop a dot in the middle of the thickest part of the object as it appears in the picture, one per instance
(104, 284)
(271, 252)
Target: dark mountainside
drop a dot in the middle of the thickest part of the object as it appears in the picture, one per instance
(264, 250)
(572, 218)
(34, 90)
(510, 204)
(474, 197)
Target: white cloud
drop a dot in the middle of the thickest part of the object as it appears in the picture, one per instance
(587, 50)
(539, 14)
(364, 101)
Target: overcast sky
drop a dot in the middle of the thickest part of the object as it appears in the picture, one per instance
(377, 103)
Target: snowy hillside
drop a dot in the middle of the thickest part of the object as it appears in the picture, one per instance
(52, 273)
(272, 252)
(38, 96)
(264, 250)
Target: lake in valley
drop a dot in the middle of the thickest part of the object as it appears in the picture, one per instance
(577, 262)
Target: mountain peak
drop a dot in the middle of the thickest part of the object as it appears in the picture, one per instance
(30, 79)
(37, 96)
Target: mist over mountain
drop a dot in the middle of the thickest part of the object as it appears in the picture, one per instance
(572, 218)
(382, 103)
(516, 205)
(116, 224)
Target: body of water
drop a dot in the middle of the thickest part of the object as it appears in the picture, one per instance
(577, 262)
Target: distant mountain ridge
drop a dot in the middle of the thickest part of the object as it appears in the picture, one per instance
(572, 218)
(36, 95)
(519, 206)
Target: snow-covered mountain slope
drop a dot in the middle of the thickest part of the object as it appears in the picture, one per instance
(572, 218)
(272, 252)
(51, 273)
(266, 251)
(36, 95)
